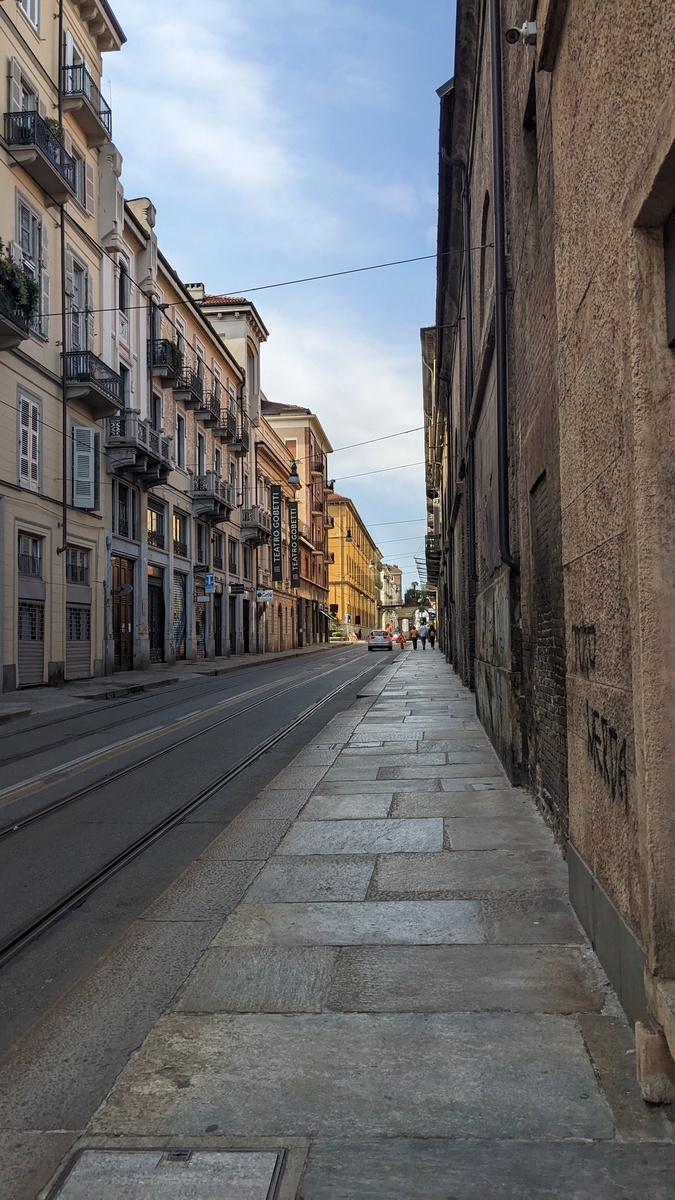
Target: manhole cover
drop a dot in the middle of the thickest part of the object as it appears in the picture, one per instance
(172, 1175)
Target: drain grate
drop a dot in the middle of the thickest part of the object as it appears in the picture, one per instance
(175, 1174)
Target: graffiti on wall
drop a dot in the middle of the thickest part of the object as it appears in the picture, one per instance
(584, 648)
(607, 752)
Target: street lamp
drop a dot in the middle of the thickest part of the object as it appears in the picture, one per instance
(294, 478)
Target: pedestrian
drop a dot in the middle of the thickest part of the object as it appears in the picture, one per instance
(413, 636)
(432, 636)
(424, 633)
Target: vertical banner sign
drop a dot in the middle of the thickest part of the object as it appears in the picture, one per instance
(295, 554)
(275, 493)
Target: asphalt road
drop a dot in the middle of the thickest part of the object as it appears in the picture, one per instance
(171, 744)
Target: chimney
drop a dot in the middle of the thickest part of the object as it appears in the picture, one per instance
(196, 291)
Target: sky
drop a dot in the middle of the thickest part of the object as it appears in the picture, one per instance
(285, 138)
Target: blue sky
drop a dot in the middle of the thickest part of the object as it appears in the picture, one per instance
(284, 138)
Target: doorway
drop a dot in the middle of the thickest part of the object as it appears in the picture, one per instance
(123, 612)
(233, 624)
(156, 613)
(247, 626)
(180, 614)
(218, 626)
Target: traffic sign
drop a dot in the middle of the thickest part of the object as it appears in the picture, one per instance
(209, 583)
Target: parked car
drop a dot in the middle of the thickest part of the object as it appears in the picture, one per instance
(379, 639)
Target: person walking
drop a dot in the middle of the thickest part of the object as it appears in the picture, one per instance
(413, 636)
(432, 636)
(424, 633)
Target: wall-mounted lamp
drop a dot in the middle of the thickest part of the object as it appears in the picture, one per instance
(294, 478)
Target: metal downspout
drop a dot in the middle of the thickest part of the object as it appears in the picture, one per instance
(500, 284)
(64, 321)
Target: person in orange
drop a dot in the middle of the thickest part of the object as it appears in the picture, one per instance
(413, 636)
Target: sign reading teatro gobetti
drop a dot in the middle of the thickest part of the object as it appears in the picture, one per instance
(293, 538)
(275, 496)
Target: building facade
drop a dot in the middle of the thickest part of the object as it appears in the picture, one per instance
(548, 398)
(353, 568)
(57, 381)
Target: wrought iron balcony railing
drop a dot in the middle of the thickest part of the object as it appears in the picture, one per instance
(189, 386)
(226, 426)
(78, 84)
(432, 545)
(14, 323)
(317, 465)
(84, 367)
(28, 130)
(128, 430)
(210, 488)
(156, 539)
(180, 548)
(209, 409)
(167, 360)
(256, 519)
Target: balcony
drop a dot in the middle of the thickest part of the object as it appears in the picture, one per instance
(317, 465)
(180, 548)
(91, 381)
(209, 409)
(317, 507)
(329, 522)
(156, 539)
(189, 388)
(255, 525)
(37, 149)
(14, 324)
(81, 97)
(432, 547)
(212, 498)
(167, 361)
(242, 440)
(137, 450)
(226, 425)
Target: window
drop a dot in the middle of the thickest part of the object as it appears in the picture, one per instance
(124, 509)
(155, 524)
(218, 551)
(31, 8)
(180, 441)
(78, 307)
(218, 462)
(29, 443)
(31, 255)
(202, 544)
(30, 555)
(180, 334)
(77, 565)
(78, 623)
(232, 556)
(199, 351)
(247, 562)
(201, 454)
(292, 447)
(180, 527)
(123, 290)
(125, 376)
(80, 175)
(233, 476)
(156, 412)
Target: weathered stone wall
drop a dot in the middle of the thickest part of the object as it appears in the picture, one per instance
(612, 118)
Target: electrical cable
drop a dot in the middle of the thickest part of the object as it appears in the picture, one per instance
(379, 472)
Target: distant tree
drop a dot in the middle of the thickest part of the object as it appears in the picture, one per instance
(414, 596)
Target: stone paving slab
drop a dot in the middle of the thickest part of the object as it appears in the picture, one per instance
(363, 837)
(256, 979)
(358, 806)
(465, 804)
(507, 831)
(435, 1169)
(315, 877)
(342, 787)
(475, 770)
(439, 922)
(466, 873)
(486, 1075)
(531, 918)
(463, 979)
(247, 838)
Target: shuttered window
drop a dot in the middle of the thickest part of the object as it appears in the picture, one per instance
(84, 467)
(29, 443)
(31, 8)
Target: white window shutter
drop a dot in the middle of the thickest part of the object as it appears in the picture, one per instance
(14, 85)
(29, 443)
(84, 474)
(69, 54)
(34, 446)
(24, 441)
(70, 266)
(89, 193)
(44, 284)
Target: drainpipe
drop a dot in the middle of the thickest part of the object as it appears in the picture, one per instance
(64, 321)
(500, 283)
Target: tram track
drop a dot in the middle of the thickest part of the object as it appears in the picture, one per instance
(115, 706)
(43, 921)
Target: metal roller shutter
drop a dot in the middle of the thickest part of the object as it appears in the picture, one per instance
(31, 643)
(78, 641)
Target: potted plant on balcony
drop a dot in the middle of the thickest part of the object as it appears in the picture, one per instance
(22, 291)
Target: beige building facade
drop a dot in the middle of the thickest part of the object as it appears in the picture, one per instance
(56, 381)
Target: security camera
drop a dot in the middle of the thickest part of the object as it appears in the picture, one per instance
(527, 34)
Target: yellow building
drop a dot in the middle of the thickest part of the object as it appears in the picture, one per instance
(353, 561)
(55, 386)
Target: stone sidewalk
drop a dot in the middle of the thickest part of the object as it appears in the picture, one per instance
(402, 1005)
